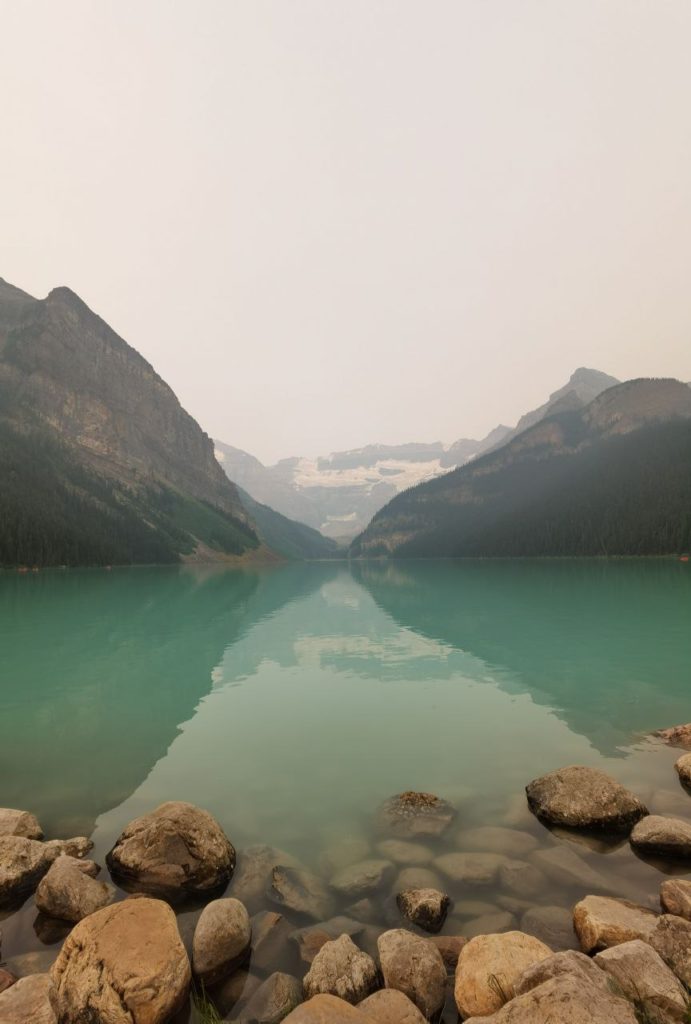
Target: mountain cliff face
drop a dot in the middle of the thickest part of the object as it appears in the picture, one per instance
(613, 477)
(96, 443)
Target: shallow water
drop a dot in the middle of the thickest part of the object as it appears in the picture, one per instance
(291, 701)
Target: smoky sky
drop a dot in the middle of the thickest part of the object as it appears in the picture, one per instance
(336, 222)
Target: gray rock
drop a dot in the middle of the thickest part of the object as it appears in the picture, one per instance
(586, 798)
(473, 908)
(564, 866)
(401, 851)
(417, 878)
(663, 837)
(341, 969)
(495, 839)
(645, 980)
(472, 868)
(178, 848)
(27, 1001)
(301, 891)
(342, 853)
(221, 939)
(271, 934)
(363, 878)
(414, 966)
(522, 879)
(272, 1001)
(489, 924)
(552, 925)
(388, 1006)
(427, 908)
(68, 892)
(19, 823)
(570, 962)
(413, 814)
(252, 875)
(675, 897)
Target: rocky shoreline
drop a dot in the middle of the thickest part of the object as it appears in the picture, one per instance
(410, 927)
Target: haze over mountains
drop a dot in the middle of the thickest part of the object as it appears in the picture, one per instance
(339, 493)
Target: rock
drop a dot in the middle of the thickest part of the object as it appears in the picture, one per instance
(602, 921)
(683, 767)
(414, 966)
(521, 879)
(7, 979)
(301, 891)
(663, 837)
(473, 908)
(125, 964)
(363, 910)
(68, 892)
(23, 863)
(427, 908)
(473, 868)
(552, 925)
(402, 852)
(564, 866)
(347, 850)
(494, 839)
(326, 1009)
(417, 878)
(489, 967)
(512, 903)
(175, 849)
(221, 939)
(563, 1000)
(676, 736)
(19, 823)
(233, 992)
(645, 980)
(270, 936)
(252, 875)
(310, 940)
(341, 969)
(586, 798)
(27, 1001)
(39, 961)
(672, 940)
(570, 962)
(77, 847)
(272, 1001)
(675, 897)
(362, 879)
(489, 924)
(450, 947)
(389, 1006)
(415, 814)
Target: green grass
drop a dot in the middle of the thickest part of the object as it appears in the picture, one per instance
(204, 1010)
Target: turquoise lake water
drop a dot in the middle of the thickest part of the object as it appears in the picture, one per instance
(291, 701)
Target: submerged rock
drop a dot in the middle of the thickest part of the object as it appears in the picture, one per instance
(363, 878)
(221, 939)
(69, 891)
(497, 839)
(414, 966)
(675, 897)
(389, 1006)
(270, 935)
(489, 967)
(301, 891)
(473, 868)
(252, 875)
(176, 848)
(19, 823)
(643, 977)
(427, 908)
(522, 879)
(401, 851)
(341, 969)
(663, 837)
(415, 814)
(564, 866)
(310, 940)
(125, 964)
(27, 1001)
(489, 924)
(273, 1000)
(586, 798)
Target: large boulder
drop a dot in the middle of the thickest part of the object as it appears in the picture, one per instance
(19, 823)
(568, 962)
(586, 798)
(24, 862)
(602, 921)
(414, 966)
(672, 940)
(326, 1009)
(362, 879)
(489, 967)
(675, 897)
(341, 969)
(273, 1000)
(28, 1001)
(658, 836)
(643, 977)
(69, 891)
(412, 814)
(175, 849)
(125, 964)
(389, 1006)
(427, 908)
(565, 999)
(221, 939)
(301, 891)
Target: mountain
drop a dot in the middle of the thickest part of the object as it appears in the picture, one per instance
(99, 461)
(287, 537)
(582, 387)
(610, 478)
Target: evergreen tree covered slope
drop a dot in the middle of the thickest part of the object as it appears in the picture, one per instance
(287, 537)
(613, 478)
(99, 463)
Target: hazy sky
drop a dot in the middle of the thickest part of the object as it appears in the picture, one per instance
(333, 223)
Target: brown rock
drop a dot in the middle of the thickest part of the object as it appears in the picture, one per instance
(586, 798)
(252, 876)
(27, 1001)
(416, 814)
(341, 969)
(310, 940)
(522, 879)
(326, 1009)
(552, 925)
(427, 908)
(389, 1006)
(414, 966)
(23, 863)
(676, 735)
(177, 848)
(124, 964)
(683, 767)
(675, 897)
(473, 868)
(563, 1000)
(273, 1000)
(300, 891)
(19, 823)
(450, 947)
(221, 939)
(68, 892)
(7, 979)
(672, 940)
(569, 962)
(489, 967)
(601, 922)
(645, 980)
(663, 837)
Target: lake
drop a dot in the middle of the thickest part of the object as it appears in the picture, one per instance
(291, 701)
